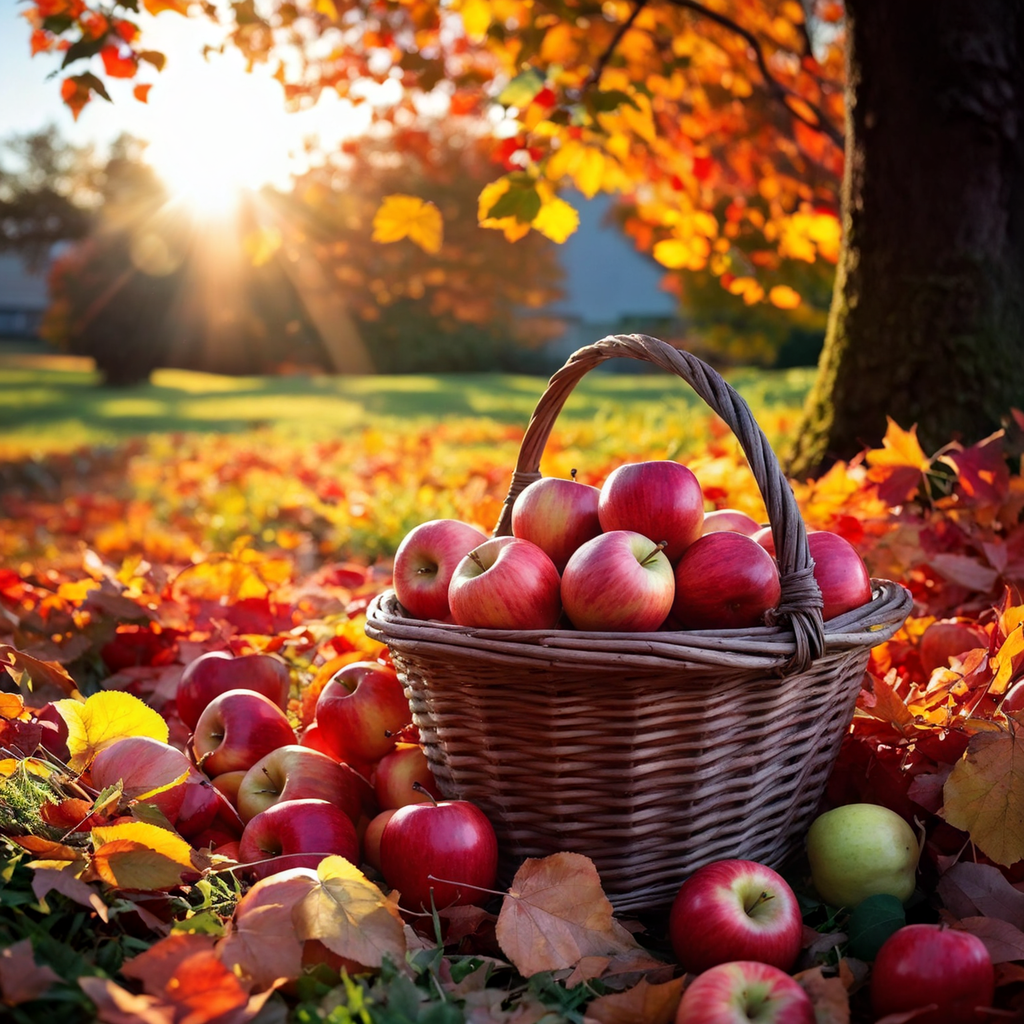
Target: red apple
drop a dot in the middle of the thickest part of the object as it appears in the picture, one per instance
(361, 709)
(922, 965)
(735, 910)
(216, 672)
(297, 833)
(294, 772)
(725, 581)
(558, 515)
(396, 772)
(949, 638)
(204, 806)
(439, 853)
(839, 570)
(506, 583)
(236, 729)
(742, 991)
(425, 561)
(661, 499)
(730, 519)
(228, 783)
(620, 581)
(371, 837)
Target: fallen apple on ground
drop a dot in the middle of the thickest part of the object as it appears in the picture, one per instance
(745, 991)
(236, 729)
(216, 672)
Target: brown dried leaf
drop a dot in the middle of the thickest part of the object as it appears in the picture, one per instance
(45, 880)
(829, 996)
(972, 890)
(350, 915)
(556, 913)
(21, 978)
(261, 941)
(1004, 941)
(644, 1003)
(984, 795)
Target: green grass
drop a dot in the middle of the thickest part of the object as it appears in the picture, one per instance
(51, 403)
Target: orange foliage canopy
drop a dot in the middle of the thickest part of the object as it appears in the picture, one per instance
(718, 122)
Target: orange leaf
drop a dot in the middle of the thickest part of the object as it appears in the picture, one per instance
(899, 465)
(555, 914)
(829, 996)
(137, 855)
(784, 297)
(141, 92)
(644, 1003)
(117, 66)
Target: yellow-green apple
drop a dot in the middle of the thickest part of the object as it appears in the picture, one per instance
(839, 570)
(425, 561)
(372, 834)
(742, 991)
(558, 515)
(396, 772)
(361, 710)
(236, 729)
(440, 853)
(216, 672)
(294, 772)
(931, 965)
(619, 580)
(735, 909)
(860, 849)
(506, 583)
(731, 519)
(949, 638)
(296, 833)
(725, 580)
(661, 499)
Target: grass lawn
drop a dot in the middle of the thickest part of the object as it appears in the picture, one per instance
(54, 403)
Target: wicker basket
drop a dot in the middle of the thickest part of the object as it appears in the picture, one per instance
(650, 753)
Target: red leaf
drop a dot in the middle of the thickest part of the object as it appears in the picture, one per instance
(21, 978)
(117, 66)
(983, 477)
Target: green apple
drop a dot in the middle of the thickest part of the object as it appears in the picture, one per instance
(860, 850)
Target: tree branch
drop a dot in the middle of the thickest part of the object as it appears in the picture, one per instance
(602, 62)
(785, 96)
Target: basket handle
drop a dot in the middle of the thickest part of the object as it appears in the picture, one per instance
(800, 604)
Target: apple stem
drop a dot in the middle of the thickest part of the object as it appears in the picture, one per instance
(660, 546)
(420, 788)
(763, 898)
(467, 885)
(572, 472)
(477, 561)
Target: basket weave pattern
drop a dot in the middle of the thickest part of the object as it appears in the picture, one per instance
(651, 753)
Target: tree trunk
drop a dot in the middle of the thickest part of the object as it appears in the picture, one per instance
(927, 319)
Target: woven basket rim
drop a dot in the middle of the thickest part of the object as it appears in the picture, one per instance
(766, 648)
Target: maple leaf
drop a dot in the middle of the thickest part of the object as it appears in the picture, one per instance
(984, 794)
(103, 719)
(350, 915)
(400, 216)
(644, 1003)
(21, 978)
(983, 477)
(899, 466)
(556, 913)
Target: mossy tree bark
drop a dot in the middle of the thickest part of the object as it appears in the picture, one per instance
(927, 320)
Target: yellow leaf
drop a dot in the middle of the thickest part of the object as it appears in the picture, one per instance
(1003, 662)
(899, 448)
(556, 913)
(560, 45)
(400, 216)
(10, 765)
(327, 8)
(673, 253)
(103, 719)
(137, 855)
(476, 18)
(748, 288)
(557, 220)
(156, 6)
(513, 229)
(350, 915)
(984, 795)
(784, 297)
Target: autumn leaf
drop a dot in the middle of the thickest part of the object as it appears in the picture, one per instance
(972, 890)
(156, 6)
(138, 855)
(644, 1003)
(39, 673)
(556, 220)
(1004, 941)
(899, 466)
(141, 92)
(829, 996)
(21, 978)
(45, 880)
(350, 915)
(983, 477)
(400, 216)
(784, 297)
(556, 913)
(103, 719)
(984, 795)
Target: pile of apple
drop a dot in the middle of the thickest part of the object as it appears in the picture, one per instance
(635, 555)
(354, 783)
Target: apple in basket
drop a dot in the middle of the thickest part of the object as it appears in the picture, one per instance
(735, 909)
(558, 515)
(506, 583)
(620, 580)
(662, 500)
(425, 561)
(745, 990)
(839, 570)
(725, 580)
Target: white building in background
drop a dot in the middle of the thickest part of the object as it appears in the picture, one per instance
(23, 297)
